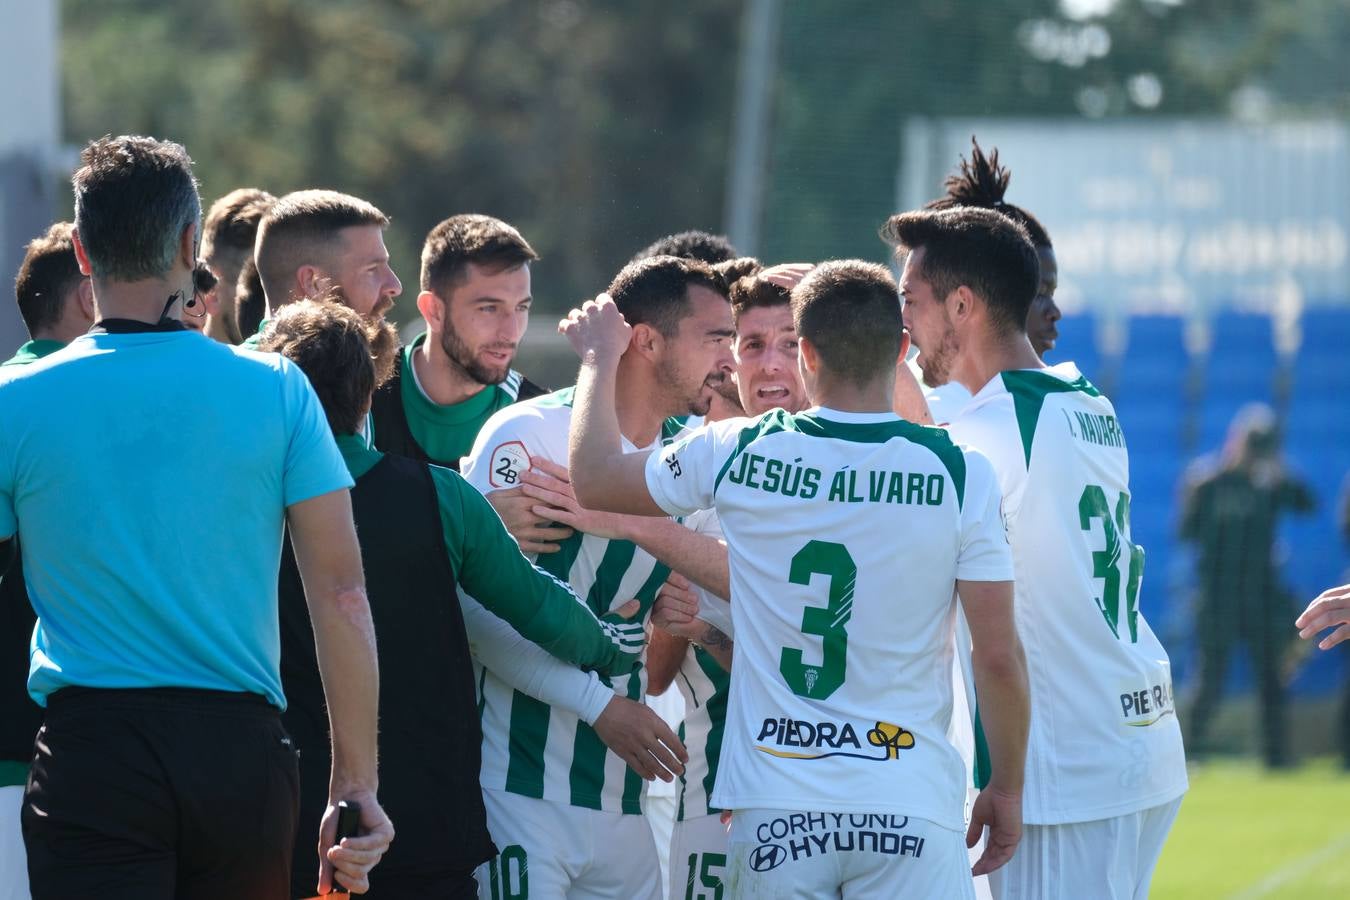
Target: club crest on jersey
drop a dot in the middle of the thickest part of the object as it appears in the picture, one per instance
(821, 740)
(508, 462)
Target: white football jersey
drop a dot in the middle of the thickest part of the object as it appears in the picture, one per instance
(529, 747)
(846, 534)
(1104, 736)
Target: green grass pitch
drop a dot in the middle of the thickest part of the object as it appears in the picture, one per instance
(1244, 834)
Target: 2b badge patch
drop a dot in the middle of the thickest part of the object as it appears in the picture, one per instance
(508, 462)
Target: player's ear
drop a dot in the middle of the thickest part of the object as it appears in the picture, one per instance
(964, 303)
(904, 344)
(433, 310)
(310, 282)
(808, 354)
(647, 341)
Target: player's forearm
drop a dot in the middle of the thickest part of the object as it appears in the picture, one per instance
(595, 437)
(344, 638)
(542, 608)
(1005, 710)
(699, 557)
(665, 653)
(530, 670)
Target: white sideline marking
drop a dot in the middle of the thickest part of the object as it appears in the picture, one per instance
(1296, 869)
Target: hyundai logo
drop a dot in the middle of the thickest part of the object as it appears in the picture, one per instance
(767, 856)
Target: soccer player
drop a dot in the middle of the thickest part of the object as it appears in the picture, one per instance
(162, 769)
(697, 649)
(422, 531)
(228, 235)
(312, 242)
(851, 533)
(560, 805)
(1105, 768)
(56, 303)
(982, 183)
(475, 300)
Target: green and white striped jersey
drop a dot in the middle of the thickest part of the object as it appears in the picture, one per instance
(529, 747)
(705, 686)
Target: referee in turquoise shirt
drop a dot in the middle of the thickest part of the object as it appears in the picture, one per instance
(162, 771)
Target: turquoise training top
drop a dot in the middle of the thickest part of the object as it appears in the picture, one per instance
(149, 474)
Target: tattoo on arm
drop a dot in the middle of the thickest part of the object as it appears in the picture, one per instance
(713, 637)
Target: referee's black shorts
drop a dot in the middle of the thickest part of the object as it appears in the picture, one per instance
(160, 794)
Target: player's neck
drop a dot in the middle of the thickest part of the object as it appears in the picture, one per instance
(847, 396)
(640, 419)
(987, 354)
(444, 383)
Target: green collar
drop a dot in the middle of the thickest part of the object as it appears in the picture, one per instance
(472, 409)
(32, 351)
(359, 458)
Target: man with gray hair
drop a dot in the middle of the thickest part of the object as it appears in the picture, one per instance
(162, 770)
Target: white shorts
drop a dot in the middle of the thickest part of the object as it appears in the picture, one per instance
(698, 858)
(777, 855)
(13, 857)
(1109, 859)
(552, 851)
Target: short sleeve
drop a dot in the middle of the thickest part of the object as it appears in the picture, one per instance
(501, 452)
(991, 428)
(314, 465)
(986, 554)
(682, 477)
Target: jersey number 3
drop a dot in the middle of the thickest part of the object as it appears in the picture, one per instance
(833, 561)
(1106, 562)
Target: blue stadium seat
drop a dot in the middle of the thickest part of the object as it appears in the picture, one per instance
(1078, 343)
(1325, 331)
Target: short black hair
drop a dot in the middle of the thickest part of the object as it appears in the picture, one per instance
(47, 275)
(984, 250)
(655, 290)
(700, 245)
(982, 183)
(134, 196)
(470, 238)
(850, 312)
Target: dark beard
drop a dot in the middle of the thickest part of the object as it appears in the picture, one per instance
(462, 357)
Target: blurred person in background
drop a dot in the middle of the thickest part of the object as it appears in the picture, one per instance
(228, 235)
(695, 244)
(250, 305)
(161, 769)
(56, 303)
(1230, 510)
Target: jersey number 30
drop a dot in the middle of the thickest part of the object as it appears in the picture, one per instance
(1106, 562)
(833, 561)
